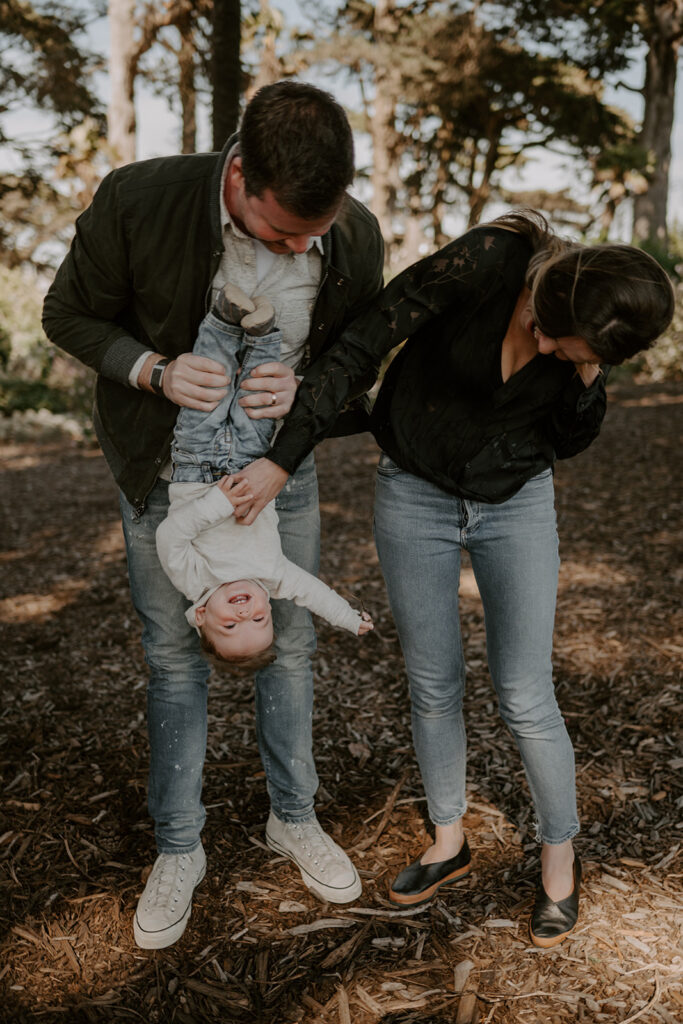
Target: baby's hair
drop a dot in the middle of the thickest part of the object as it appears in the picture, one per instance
(249, 662)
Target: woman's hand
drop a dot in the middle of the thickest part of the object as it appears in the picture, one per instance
(588, 372)
(265, 479)
(195, 382)
(272, 389)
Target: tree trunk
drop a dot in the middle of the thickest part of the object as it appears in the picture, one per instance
(121, 112)
(269, 69)
(225, 69)
(663, 33)
(384, 177)
(186, 83)
(481, 193)
(440, 207)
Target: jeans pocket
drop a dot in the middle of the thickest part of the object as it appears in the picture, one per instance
(222, 447)
(386, 466)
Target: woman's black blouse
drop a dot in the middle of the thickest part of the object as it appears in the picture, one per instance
(443, 411)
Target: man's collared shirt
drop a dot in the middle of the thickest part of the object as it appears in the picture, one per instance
(290, 281)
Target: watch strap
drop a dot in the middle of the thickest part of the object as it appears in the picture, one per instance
(156, 376)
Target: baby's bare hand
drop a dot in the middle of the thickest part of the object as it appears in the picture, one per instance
(236, 491)
(366, 624)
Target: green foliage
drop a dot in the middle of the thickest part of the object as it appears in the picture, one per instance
(17, 395)
(33, 374)
(599, 37)
(5, 348)
(669, 257)
(36, 220)
(44, 61)
(467, 92)
(664, 361)
(47, 70)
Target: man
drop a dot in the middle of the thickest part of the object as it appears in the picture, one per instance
(270, 214)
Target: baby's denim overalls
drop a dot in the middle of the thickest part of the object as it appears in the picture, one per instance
(206, 446)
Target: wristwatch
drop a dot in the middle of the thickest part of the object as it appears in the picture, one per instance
(157, 375)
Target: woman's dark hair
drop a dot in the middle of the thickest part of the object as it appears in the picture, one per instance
(616, 297)
(296, 141)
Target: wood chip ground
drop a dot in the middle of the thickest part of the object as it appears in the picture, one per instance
(75, 839)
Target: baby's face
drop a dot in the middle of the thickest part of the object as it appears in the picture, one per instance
(237, 619)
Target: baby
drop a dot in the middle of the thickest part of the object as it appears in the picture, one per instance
(230, 571)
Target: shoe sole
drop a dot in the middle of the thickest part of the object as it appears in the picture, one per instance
(324, 893)
(166, 936)
(548, 943)
(415, 899)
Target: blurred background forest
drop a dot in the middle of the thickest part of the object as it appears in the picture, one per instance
(453, 103)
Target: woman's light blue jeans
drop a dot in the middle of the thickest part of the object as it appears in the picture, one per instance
(177, 689)
(420, 531)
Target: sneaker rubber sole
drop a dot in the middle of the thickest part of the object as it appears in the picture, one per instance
(327, 893)
(165, 936)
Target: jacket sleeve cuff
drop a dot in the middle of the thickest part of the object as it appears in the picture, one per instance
(288, 456)
(121, 357)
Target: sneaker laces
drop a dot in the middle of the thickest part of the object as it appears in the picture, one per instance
(316, 844)
(166, 881)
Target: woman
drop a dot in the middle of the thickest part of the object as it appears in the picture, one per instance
(506, 329)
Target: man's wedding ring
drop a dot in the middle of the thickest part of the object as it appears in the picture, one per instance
(273, 398)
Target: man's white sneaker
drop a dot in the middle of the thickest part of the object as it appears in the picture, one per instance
(324, 866)
(165, 905)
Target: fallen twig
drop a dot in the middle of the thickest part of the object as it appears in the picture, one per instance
(370, 840)
(648, 1006)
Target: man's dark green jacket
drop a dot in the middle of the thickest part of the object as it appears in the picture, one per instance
(138, 277)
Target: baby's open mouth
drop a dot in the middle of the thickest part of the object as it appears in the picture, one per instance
(239, 599)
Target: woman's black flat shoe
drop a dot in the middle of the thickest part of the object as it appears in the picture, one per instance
(418, 882)
(552, 922)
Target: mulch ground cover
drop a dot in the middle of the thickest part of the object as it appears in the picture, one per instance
(75, 839)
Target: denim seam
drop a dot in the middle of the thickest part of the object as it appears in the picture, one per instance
(451, 820)
(287, 819)
(176, 851)
(574, 831)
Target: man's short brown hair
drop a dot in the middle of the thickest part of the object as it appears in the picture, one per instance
(295, 140)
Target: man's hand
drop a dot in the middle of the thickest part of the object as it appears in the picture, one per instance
(272, 389)
(366, 625)
(265, 481)
(195, 382)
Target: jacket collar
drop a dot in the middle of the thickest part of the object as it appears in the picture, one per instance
(215, 195)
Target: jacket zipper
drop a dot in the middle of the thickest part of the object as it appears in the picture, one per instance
(216, 259)
(306, 358)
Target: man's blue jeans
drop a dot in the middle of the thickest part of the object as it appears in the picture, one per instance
(177, 690)
(207, 445)
(420, 531)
